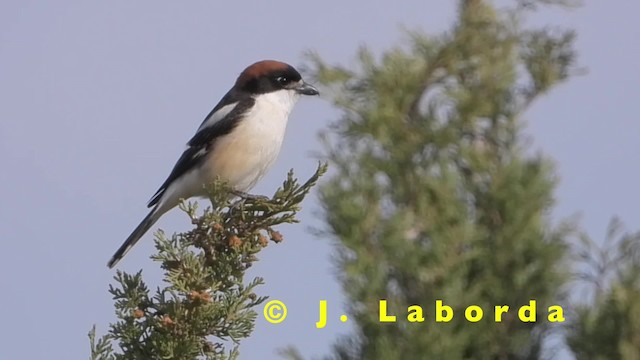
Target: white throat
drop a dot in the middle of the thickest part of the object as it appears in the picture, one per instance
(278, 101)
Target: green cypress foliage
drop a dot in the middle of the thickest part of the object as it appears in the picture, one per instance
(205, 307)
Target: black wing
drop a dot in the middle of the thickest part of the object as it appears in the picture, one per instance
(203, 140)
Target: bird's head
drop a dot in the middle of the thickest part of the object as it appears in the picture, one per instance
(270, 76)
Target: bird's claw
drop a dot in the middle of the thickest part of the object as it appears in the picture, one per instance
(243, 198)
(246, 196)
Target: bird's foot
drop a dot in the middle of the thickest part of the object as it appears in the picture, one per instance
(243, 198)
(246, 196)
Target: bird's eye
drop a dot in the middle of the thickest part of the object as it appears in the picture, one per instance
(283, 80)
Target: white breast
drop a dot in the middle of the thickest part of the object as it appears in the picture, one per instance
(245, 155)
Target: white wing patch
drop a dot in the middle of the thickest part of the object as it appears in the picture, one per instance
(217, 116)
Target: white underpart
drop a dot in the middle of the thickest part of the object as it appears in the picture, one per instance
(242, 157)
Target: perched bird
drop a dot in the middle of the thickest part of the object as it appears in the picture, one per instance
(238, 141)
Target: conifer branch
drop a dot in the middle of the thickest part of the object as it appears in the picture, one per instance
(205, 308)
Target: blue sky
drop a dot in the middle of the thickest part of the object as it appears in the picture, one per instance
(99, 98)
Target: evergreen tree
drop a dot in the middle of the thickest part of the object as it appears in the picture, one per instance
(608, 326)
(204, 305)
(434, 195)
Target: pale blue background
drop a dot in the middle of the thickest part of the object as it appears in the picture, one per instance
(97, 100)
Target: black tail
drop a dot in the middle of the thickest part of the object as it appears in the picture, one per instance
(144, 226)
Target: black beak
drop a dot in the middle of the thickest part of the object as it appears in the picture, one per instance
(307, 89)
